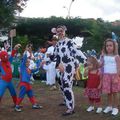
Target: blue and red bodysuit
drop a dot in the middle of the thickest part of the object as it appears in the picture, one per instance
(6, 75)
(25, 87)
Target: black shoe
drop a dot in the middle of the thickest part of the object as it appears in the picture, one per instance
(17, 108)
(37, 107)
(68, 112)
(62, 104)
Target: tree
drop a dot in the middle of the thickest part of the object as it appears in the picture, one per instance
(8, 10)
(23, 40)
(93, 31)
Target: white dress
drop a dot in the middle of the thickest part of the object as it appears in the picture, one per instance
(50, 73)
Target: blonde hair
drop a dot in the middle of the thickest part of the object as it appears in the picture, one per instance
(115, 46)
(94, 62)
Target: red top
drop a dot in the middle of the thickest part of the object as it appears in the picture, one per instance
(6, 71)
(93, 80)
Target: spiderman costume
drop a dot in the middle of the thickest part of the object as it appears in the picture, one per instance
(6, 75)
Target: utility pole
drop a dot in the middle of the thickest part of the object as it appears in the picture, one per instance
(69, 9)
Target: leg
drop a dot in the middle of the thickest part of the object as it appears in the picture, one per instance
(115, 109)
(33, 100)
(3, 86)
(98, 104)
(69, 98)
(20, 98)
(31, 96)
(68, 92)
(91, 103)
(12, 92)
(115, 99)
(21, 94)
(61, 88)
(109, 99)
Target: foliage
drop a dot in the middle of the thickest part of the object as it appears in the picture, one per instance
(8, 8)
(23, 40)
(39, 29)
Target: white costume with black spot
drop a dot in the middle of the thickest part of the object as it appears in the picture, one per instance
(66, 52)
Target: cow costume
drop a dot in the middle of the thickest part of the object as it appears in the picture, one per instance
(67, 55)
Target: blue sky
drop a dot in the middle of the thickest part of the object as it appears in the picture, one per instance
(108, 10)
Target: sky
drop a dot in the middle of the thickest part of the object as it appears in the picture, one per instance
(108, 10)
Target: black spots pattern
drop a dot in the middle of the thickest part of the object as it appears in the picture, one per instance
(71, 104)
(65, 85)
(69, 68)
(66, 59)
(58, 50)
(63, 49)
(73, 52)
(68, 77)
(68, 95)
(59, 43)
(63, 43)
(69, 44)
(81, 60)
(57, 60)
(71, 75)
(75, 43)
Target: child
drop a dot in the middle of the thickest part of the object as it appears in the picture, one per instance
(93, 91)
(111, 71)
(25, 87)
(30, 55)
(50, 73)
(6, 73)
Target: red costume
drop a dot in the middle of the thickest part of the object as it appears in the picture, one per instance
(6, 74)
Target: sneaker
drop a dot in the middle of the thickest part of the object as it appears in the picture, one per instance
(115, 111)
(68, 112)
(31, 82)
(91, 108)
(107, 109)
(17, 108)
(36, 106)
(32, 79)
(99, 110)
(53, 88)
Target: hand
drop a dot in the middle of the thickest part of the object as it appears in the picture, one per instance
(99, 86)
(17, 46)
(61, 68)
(43, 62)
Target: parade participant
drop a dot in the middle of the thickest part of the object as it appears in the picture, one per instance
(93, 87)
(67, 55)
(25, 87)
(111, 72)
(6, 73)
(50, 67)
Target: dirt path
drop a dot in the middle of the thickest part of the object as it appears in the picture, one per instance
(51, 111)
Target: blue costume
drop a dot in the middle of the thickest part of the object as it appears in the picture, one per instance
(6, 75)
(25, 87)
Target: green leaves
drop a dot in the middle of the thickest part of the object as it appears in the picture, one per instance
(8, 9)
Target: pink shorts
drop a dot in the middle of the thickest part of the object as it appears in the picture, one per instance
(110, 83)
